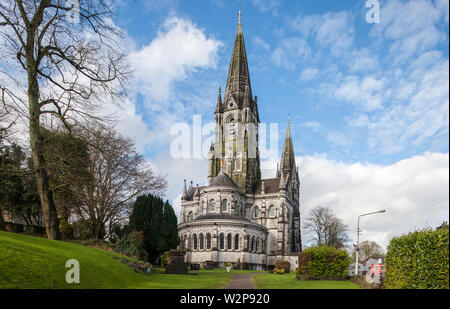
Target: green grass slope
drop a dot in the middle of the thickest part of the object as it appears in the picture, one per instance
(37, 263)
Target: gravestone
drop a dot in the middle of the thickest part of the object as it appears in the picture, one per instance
(176, 263)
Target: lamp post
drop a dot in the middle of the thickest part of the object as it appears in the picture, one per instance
(357, 237)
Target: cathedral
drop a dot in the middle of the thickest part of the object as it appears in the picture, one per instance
(238, 217)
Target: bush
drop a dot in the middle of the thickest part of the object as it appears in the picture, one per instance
(418, 260)
(279, 271)
(323, 263)
(131, 245)
(164, 259)
(286, 265)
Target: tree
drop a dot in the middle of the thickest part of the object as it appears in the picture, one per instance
(326, 228)
(118, 174)
(158, 221)
(18, 194)
(61, 69)
(369, 250)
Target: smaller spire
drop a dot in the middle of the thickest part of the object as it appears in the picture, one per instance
(184, 194)
(219, 102)
(239, 16)
(197, 191)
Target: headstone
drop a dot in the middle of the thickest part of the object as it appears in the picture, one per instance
(176, 263)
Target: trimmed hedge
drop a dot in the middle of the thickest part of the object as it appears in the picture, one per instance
(418, 260)
(323, 263)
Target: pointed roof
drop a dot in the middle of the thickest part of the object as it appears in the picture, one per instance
(287, 163)
(223, 180)
(238, 74)
(219, 103)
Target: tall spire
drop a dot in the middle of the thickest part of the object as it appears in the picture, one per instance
(287, 164)
(238, 74)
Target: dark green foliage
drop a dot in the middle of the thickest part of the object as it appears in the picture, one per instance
(164, 259)
(131, 245)
(157, 220)
(418, 260)
(18, 192)
(323, 262)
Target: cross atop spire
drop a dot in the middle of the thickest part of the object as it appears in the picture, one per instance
(238, 74)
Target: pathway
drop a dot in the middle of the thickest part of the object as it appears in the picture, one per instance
(241, 281)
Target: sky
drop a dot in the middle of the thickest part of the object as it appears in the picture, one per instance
(368, 102)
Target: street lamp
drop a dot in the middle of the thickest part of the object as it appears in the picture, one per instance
(357, 237)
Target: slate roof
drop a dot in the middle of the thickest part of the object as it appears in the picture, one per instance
(271, 185)
(223, 180)
(216, 216)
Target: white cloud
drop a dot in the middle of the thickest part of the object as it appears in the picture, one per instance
(330, 30)
(410, 27)
(291, 52)
(366, 93)
(412, 191)
(261, 44)
(266, 5)
(179, 49)
(309, 74)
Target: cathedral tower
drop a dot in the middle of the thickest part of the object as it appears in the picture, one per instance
(236, 150)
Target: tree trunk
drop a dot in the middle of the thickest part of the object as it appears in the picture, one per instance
(42, 181)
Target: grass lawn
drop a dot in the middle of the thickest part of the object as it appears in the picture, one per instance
(288, 281)
(39, 263)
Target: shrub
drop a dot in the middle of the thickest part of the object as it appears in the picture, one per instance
(418, 260)
(323, 263)
(286, 265)
(131, 245)
(279, 271)
(164, 259)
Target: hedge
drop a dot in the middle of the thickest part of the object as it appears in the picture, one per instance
(418, 260)
(323, 263)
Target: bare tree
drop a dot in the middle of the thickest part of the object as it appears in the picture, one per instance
(369, 249)
(326, 228)
(118, 175)
(52, 67)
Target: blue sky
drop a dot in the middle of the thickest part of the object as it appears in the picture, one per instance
(368, 103)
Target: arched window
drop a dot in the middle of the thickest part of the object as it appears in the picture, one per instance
(255, 212)
(271, 211)
(229, 241)
(208, 241)
(181, 242)
(195, 241)
(202, 242)
(257, 244)
(236, 207)
(248, 242)
(222, 242)
(237, 160)
(191, 216)
(224, 204)
(203, 206)
(253, 244)
(236, 242)
(212, 205)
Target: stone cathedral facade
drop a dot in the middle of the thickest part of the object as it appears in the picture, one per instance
(239, 217)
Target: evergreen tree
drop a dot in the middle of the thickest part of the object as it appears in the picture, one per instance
(157, 220)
